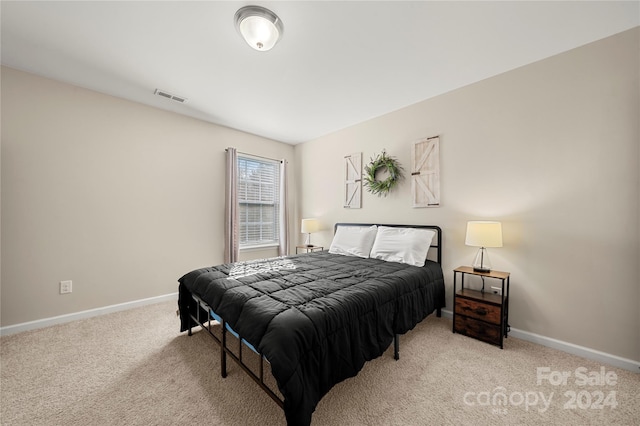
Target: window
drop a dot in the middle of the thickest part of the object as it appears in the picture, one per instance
(258, 201)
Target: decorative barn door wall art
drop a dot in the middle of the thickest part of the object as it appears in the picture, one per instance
(425, 172)
(353, 181)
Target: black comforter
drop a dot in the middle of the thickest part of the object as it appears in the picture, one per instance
(316, 317)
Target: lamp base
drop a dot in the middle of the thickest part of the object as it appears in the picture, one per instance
(482, 263)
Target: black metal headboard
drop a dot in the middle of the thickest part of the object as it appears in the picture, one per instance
(438, 240)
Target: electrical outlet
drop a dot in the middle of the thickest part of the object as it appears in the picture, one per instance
(497, 290)
(65, 287)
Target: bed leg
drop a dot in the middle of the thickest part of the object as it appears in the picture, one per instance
(439, 312)
(223, 352)
(190, 323)
(396, 347)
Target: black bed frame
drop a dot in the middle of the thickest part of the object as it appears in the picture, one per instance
(207, 325)
(203, 318)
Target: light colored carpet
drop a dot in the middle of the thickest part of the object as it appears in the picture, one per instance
(134, 368)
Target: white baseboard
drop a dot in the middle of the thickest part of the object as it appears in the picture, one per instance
(582, 351)
(46, 322)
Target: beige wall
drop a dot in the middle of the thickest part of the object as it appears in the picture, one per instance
(120, 198)
(552, 151)
(123, 199)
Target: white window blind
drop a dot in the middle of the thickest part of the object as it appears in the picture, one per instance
(258, 201)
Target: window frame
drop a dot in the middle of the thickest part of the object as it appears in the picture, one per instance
(245, 243)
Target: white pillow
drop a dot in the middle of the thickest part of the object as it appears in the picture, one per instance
(353, 240)
(404, 245)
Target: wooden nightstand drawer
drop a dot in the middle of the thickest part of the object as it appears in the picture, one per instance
(481, 330)
(478, 310)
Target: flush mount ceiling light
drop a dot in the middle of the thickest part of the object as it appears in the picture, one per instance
(260, 27)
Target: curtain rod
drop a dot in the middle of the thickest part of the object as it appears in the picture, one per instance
(257, 156)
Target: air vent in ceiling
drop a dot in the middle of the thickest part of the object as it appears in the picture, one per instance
(168, 95)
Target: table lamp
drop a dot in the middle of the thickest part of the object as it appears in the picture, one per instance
(308, 227)
(483, 234)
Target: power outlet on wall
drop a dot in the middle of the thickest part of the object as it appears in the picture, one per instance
(66, 287)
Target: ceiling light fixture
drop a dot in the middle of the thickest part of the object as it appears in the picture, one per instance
(260, 27)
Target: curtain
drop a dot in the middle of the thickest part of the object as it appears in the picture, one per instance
(231, 243)
(283, 248)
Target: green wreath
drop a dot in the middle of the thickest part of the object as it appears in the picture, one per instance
(382, 187)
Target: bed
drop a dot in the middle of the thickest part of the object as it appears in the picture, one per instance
(316, 318)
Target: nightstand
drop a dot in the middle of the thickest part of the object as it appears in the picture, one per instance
(481, 315)
(308, 248)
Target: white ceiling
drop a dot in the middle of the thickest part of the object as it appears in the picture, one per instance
(338, 64)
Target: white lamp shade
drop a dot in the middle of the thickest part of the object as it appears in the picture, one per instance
(484, 234)
(260, 27)
(310, 226)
